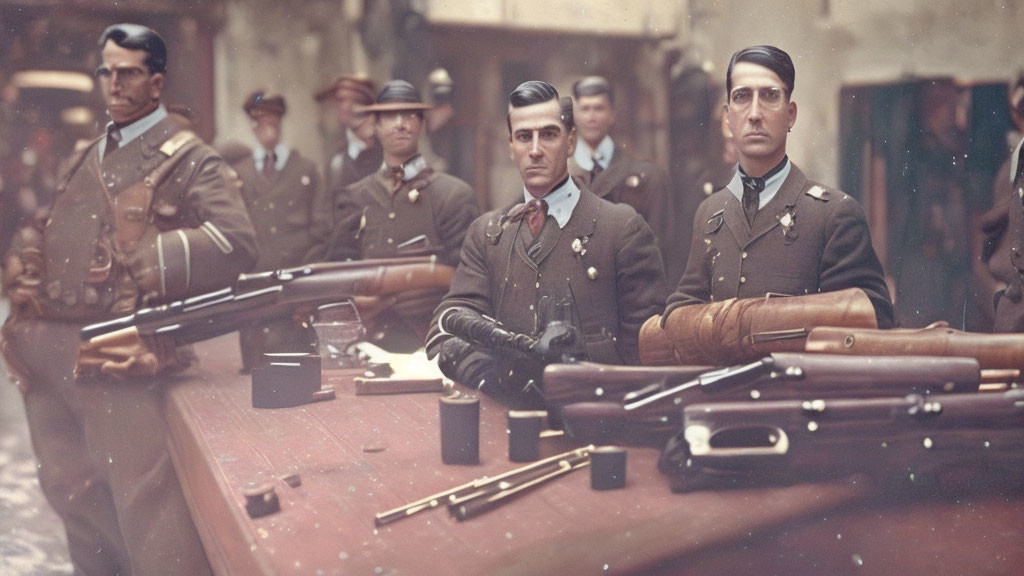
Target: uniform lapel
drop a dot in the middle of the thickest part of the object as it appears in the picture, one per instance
(768, 217)
(605, 182)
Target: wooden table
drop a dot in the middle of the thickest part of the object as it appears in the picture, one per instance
(357, 456)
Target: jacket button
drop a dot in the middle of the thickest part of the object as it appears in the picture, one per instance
(743, 279)
(743, 256)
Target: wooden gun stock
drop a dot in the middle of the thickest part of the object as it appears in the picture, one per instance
(906, 441)
(999, 351)
(593, 382)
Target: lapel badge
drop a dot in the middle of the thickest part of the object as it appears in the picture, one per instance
(787, 221)
(592, 273)
(362, 224)
(414, 195)
(305, 180)
(579, 246)
(715, 222)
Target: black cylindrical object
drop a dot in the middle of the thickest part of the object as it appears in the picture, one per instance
(608, 468)
(460, 429)
(524, 428)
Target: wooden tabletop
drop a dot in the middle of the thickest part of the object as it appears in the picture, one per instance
(357, 456)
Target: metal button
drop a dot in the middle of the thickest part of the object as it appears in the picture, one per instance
(744, 256)
(391, 215)
(743, 279)
(391, 240)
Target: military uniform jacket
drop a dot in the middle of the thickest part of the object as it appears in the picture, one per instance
(807, 239)
(606, 253)
(428, 214)
(341, 172)
(644, 186)
(196, 225)
(1009, 265)
(281, 209)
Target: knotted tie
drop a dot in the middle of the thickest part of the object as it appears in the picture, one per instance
(536, 212)
(268, 165)
(752, 188)
(113, 140)
(596, 170)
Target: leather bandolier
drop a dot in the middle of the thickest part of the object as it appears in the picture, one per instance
(73, 267)
(742, 330)
(993, 351)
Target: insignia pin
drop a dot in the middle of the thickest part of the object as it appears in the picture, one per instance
(414, 195)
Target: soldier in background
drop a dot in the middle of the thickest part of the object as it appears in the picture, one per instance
(279, 187)
(354, 152)
(405, 208)
(145, 215)
(614, 174)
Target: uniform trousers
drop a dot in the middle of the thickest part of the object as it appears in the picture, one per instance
(103, 461)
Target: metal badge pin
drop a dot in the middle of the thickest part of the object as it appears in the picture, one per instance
(592, 273)
(414, 195)
(578, 246)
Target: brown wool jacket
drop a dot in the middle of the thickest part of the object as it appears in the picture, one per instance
(809, 238)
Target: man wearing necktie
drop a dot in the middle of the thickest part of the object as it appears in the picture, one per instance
(557, 243)
(771, 229)
(405, 208)
(280, 187)
(612, 172)
(141, 219)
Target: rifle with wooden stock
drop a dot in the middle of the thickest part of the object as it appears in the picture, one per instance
(650, 415)
(950, 442)
(269, 295)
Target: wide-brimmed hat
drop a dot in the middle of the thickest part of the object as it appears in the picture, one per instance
(360, 87)
(397, 95)
(260, 103)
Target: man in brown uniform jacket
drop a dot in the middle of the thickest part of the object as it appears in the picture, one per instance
(1008, 263)
(405, 208)
(771, 230)
(145, 215)
(559, 241)
(355, 153)
(279, 187)
(613, 173)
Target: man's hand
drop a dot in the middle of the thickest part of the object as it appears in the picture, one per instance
(124, 354)
(144, 266)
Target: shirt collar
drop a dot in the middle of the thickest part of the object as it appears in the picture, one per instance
(771, 185)
(561, 201)
(132, 131)
(281, 153)
(411, 168)
(584, 154)
(355, 144)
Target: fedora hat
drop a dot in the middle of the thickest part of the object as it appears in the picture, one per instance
(397, 95)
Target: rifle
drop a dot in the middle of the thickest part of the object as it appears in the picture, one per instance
(269, 295)
(991, 350)
(559, 342)
(955, 441)
(652, 414)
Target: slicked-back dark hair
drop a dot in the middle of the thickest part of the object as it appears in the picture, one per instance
(138, 37)
(538, 92)
(771, 58)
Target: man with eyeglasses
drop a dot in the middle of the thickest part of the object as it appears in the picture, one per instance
(145, 215)
(405, 208)
(771, 229)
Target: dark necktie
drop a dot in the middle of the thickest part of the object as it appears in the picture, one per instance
(596, 170)
(397, 177)
(752, 188)
(113, 140)
(536, 212)
(268, 165)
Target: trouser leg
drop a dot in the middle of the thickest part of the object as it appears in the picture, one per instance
(126, 434)
(67, 476)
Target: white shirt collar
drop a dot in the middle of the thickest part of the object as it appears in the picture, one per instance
(135, 129)
(585, 155)
(411, 168)
(281, 153)
(771, 185)
(355, 144)
(561, 201)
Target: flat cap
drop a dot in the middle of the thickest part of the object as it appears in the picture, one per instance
(360, 88)
(260, 103)
(397, 95)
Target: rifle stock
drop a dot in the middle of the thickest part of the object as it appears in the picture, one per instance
(955, 441)
(653, 418)
(276, 294)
